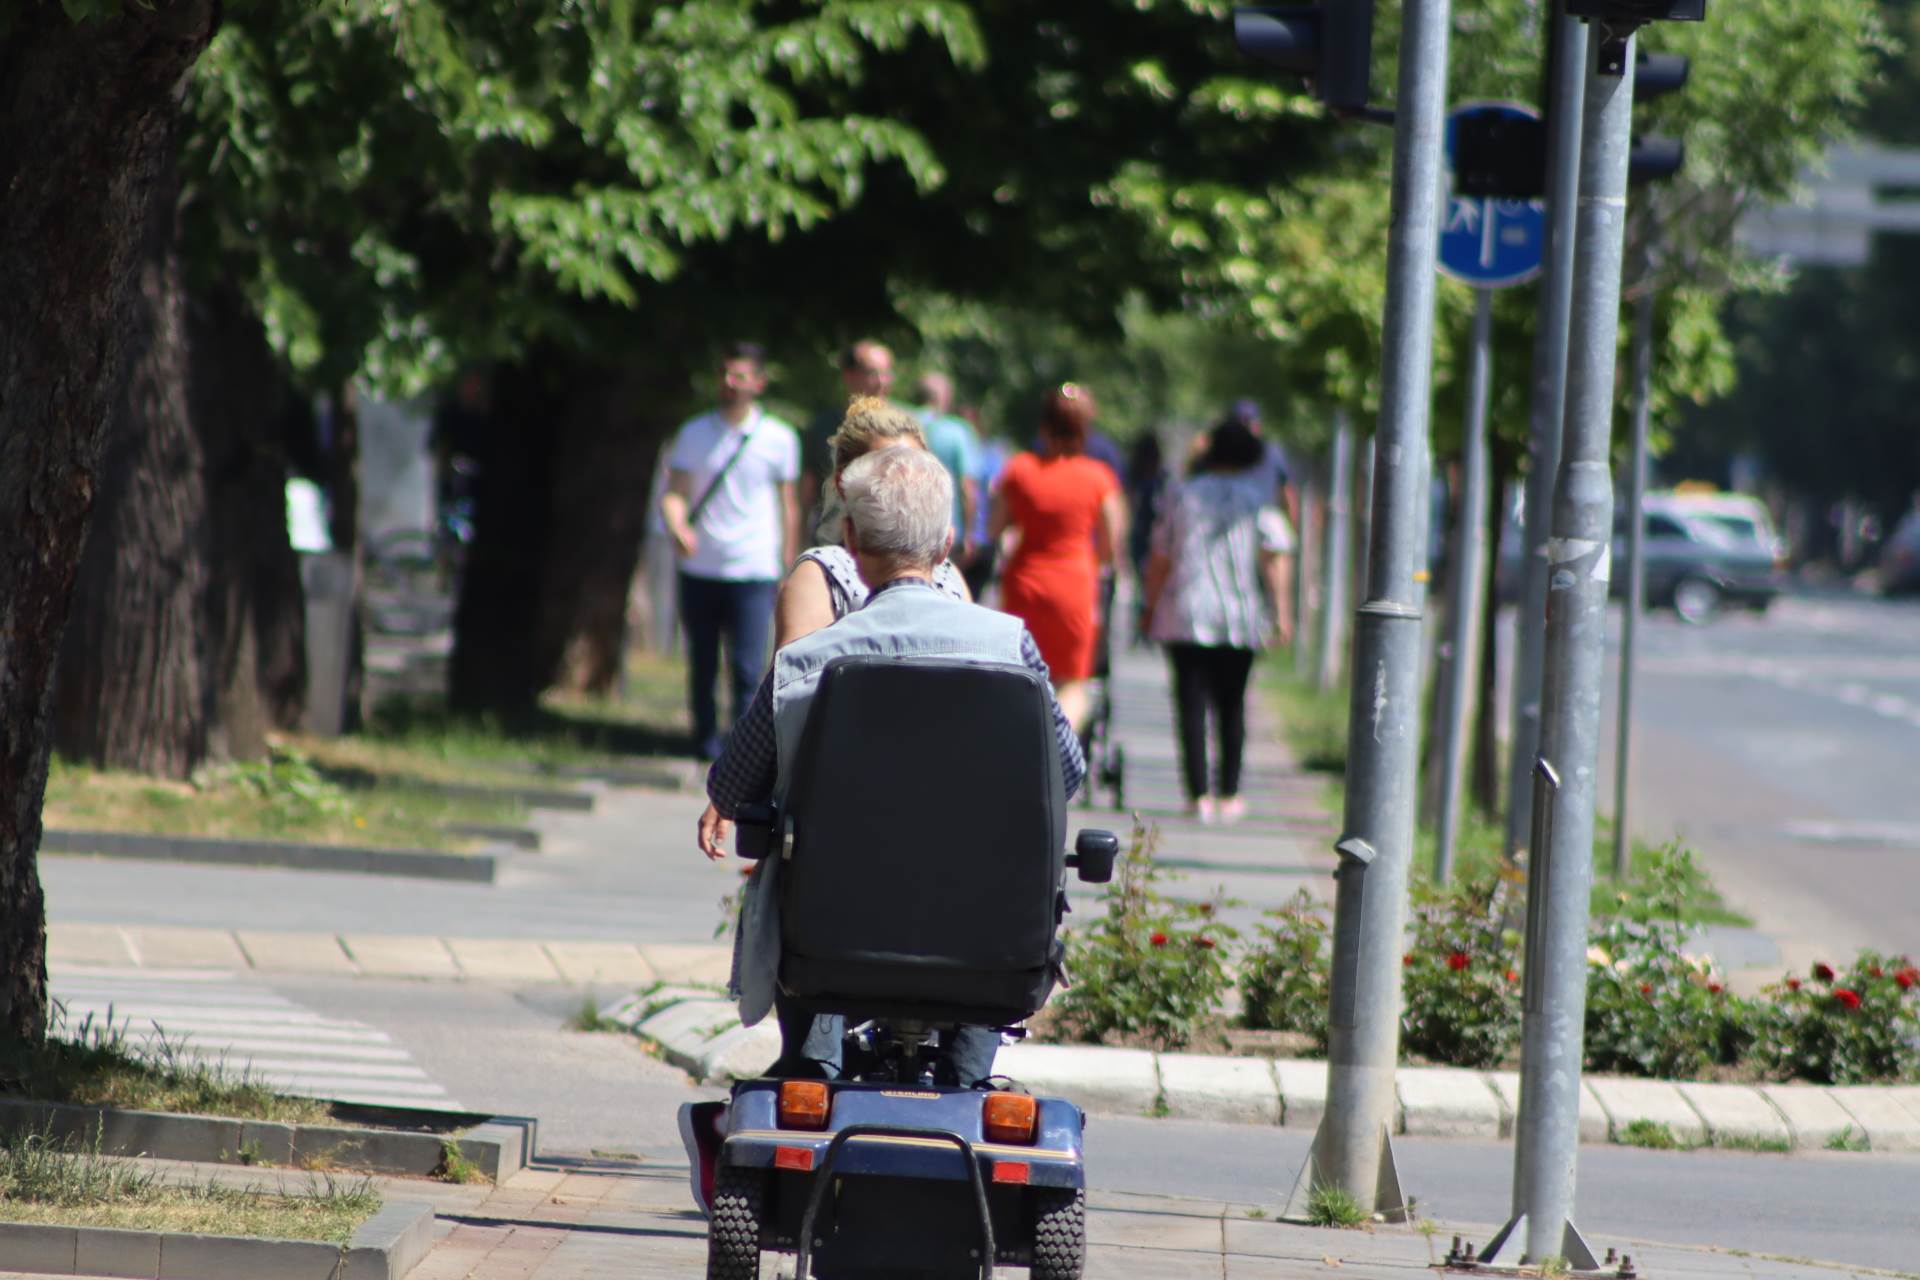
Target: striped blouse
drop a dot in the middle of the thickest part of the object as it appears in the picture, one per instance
(1214, 530)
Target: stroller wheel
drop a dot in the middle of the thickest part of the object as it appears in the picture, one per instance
(1115, 775)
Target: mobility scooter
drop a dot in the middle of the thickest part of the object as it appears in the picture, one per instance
(920, 856)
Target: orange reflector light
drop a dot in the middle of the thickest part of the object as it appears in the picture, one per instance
(1008, 1117)
(1014, 1171)
(800, 1158)
(803, 1104)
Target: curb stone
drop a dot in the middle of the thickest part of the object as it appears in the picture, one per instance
(427, 864)
(696, 1030)
(498, 1146)
(387, 1246)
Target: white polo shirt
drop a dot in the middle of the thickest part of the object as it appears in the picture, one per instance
(742, 528)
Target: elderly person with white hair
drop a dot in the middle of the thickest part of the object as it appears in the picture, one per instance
(899, 527)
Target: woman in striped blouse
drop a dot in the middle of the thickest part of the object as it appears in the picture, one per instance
(1217, 591)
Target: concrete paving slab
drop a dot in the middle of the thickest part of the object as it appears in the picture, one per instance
(1303, 1091)
(1652, 1100)
(1114, 1081)
(683, 1029)
(101, 944)
(1154, 1230)
(689, 962)
(387, 956)
(1736, 1113)
(503, 960)
(1811, 1112)
(1447, 1102)
(588, 964)
(740, 1053)
(1200, 1086)
(1889, 1124)
(314, 953)
(1593, 1117)
(164, 947)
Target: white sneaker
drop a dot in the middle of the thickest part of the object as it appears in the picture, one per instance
(1231, 809)
(1204, 810)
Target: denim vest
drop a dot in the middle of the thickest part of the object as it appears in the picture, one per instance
(907, 622)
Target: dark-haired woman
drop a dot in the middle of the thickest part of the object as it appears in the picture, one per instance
(1217, 591)
(1067, 514)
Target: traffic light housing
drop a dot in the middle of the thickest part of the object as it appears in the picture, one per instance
(1655, 75)
(1654, 158)
(1329, 43)
(1638, 11)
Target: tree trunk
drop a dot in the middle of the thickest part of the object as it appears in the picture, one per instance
(560, 516)
(240, 401)
(131, 693)
(89, 112)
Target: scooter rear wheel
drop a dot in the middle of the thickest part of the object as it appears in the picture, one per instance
(733, 1230)
(1059, 1234)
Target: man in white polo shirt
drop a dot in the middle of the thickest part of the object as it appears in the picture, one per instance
(734, 516)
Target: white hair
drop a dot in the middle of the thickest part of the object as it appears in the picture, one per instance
(900, 501)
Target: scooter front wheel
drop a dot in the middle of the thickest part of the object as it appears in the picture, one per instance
(733, 1230)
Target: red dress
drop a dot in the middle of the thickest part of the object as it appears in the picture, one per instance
(1052, 580)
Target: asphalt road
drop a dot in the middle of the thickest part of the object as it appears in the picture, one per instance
(1786, 750)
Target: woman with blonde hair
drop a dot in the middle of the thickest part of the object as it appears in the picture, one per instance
(823, 584)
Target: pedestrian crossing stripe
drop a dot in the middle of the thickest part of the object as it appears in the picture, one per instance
(215, 1017)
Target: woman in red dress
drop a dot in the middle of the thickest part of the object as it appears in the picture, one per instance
(1066, 513)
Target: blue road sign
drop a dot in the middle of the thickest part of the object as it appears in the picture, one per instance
(1490, 243)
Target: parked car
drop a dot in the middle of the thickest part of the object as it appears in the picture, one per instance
(1697, 563)
(1900, 557)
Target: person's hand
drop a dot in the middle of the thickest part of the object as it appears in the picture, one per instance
(714, 831)
(685, 540)
(1283, 626)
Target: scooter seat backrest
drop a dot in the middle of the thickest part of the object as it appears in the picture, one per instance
(929, 834)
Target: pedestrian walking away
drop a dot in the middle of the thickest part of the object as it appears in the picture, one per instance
(866, 369)
(1067, 515)
(1218, 589)
(952, 440)
(734, 516)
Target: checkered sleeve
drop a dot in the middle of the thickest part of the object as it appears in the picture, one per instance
(1073, 764)
(750, 764)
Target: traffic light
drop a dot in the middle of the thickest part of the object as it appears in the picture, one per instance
(1655, 157)
(1329, 43)
(1657, 74)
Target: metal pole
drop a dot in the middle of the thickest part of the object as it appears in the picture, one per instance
(1352, 1150)
(1566, 56)
(1306, 545)
(1636, 565)
(1561, 862)
(1469, 580)
(1333, 557)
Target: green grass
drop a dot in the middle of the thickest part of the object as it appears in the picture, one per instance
(455, 1167)
(98, 1064)
(1651, 1134)
(1752, 1142)
(1330, 1206)
(289, 797)
(1848, 1139)
(588, 1017)
(1315, 726)
(43, 1181)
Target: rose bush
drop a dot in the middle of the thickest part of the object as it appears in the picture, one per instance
(1461, 986)
(1283, 976)
(1151, 968)
(1846, 1028)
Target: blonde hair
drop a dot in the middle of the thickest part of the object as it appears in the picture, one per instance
(870, 420)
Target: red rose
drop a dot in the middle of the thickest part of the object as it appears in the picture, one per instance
(1206, 908)
(1457, 961)
(1823, 973)
(1646, 988)
(1157, 939)
(1715, 988)
(1793, 984)
(1874, 972)
(1906, 978)
(1407, 960)
(1205, 944)
(1512, 976)
(1847, 999)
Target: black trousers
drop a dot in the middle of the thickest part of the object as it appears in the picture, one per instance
(1211, 677)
